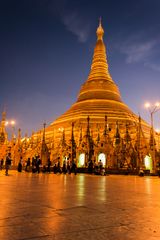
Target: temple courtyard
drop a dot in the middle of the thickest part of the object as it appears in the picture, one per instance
(49, 206)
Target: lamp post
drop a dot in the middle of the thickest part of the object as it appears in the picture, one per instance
(152, 110)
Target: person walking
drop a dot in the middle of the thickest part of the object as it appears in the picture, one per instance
(59, 167)
(28, 163)
(100, 166)
(74, 167)
(64, 168)
(20, 165)
(38, 163)
(68, 167)
(8, 163)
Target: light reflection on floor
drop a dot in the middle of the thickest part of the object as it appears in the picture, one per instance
(79, 207)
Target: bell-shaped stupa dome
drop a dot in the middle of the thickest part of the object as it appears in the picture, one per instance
(99, 95)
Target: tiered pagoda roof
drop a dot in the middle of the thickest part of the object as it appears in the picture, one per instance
(99, 95)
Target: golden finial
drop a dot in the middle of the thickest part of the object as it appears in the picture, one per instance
(100, 31)
(100, 22)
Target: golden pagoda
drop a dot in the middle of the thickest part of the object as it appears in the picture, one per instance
(98, 126)
(98, 109)
(99, 95)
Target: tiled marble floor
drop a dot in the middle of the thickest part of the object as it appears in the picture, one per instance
(81, 207)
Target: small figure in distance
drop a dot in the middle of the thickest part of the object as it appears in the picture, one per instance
(28, 163)
(74, 167)
(141, 172)
(8, 163)
(20, 165)
(64, 168)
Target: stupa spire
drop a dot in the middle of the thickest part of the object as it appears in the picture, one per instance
(99, 67)
(19, 136)
(100, 31)
(99, 84)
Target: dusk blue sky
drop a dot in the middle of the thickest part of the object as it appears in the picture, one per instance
(46, 49)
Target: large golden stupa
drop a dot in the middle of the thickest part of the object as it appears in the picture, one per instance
(98, 96)
(97, 119)
(98, 126)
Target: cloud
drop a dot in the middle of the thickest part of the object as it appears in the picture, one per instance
(72, 19)
(140, 48)
(138, 52)
(76, 25)
(152, 66)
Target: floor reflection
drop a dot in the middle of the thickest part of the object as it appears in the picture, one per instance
(120, 207)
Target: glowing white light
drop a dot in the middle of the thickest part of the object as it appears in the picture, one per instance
(157, 104)
(81, 161)
(147, 105)
(102, 157)
(12, 122)
(148, 162)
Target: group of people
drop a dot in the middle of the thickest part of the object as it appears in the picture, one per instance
(68, 167)
(95, 168)
(35, 165)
